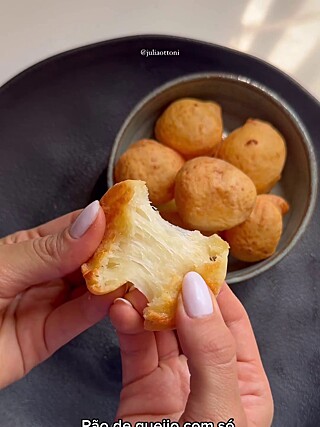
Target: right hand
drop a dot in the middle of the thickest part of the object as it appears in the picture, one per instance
(219, 350)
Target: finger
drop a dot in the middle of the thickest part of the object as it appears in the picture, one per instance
(210, 349)
(51, 227)
(125, 319)
(137, 300)
(252, 378)
(237, 320)
(46, 258)
(167, 345)
(75, 316)
(57, 224)
(139, 355)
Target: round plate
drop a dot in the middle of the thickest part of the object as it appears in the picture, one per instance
(58, 121)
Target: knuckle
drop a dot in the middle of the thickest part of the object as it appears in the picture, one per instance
(218, 348)
(47, 248)
(6, 288)
(18, 236)
(11, 238)
(241, 319)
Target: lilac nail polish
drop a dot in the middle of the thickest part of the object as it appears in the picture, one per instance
(196, 296)
(85, 220)
(122, 301)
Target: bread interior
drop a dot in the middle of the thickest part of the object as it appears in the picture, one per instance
(150, 252)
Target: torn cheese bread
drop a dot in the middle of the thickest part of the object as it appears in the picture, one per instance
(140, 247)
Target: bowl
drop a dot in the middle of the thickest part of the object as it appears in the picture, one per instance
(240, 98)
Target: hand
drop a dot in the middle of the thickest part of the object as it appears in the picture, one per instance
(43, 300)
(219, 350)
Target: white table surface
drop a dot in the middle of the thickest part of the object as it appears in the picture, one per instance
(285, 33)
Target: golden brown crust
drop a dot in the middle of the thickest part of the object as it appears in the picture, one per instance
(154, 163)
(213, 195)
(259, 150)
(191, 127)
(257, 238)
(114, 204)
(278, 201)
(162, 316)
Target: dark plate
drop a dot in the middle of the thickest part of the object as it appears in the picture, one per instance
(58, 121)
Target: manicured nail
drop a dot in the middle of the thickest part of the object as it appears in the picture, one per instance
(85, 220)
(122, 301)
(196, 296)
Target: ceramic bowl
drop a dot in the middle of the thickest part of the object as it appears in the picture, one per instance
(240, 98)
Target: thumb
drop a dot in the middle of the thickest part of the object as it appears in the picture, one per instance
(211, 352)
(35, 261)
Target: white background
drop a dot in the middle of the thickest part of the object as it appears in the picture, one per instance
(286, 33)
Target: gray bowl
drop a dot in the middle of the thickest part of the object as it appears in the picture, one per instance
(240, 99)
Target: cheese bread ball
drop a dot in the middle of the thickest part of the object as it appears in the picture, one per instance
(278, 201)
(149, 161)
(259, 150)
(213, 195)
(257, 238)
(191, 127)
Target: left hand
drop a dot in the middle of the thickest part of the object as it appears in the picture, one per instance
(43, 300)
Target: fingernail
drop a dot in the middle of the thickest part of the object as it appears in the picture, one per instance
(122, 300)
(196, 296)
(85, 220)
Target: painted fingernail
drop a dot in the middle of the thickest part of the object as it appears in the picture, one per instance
(122, 301)
(85, 220)
(196, 296)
